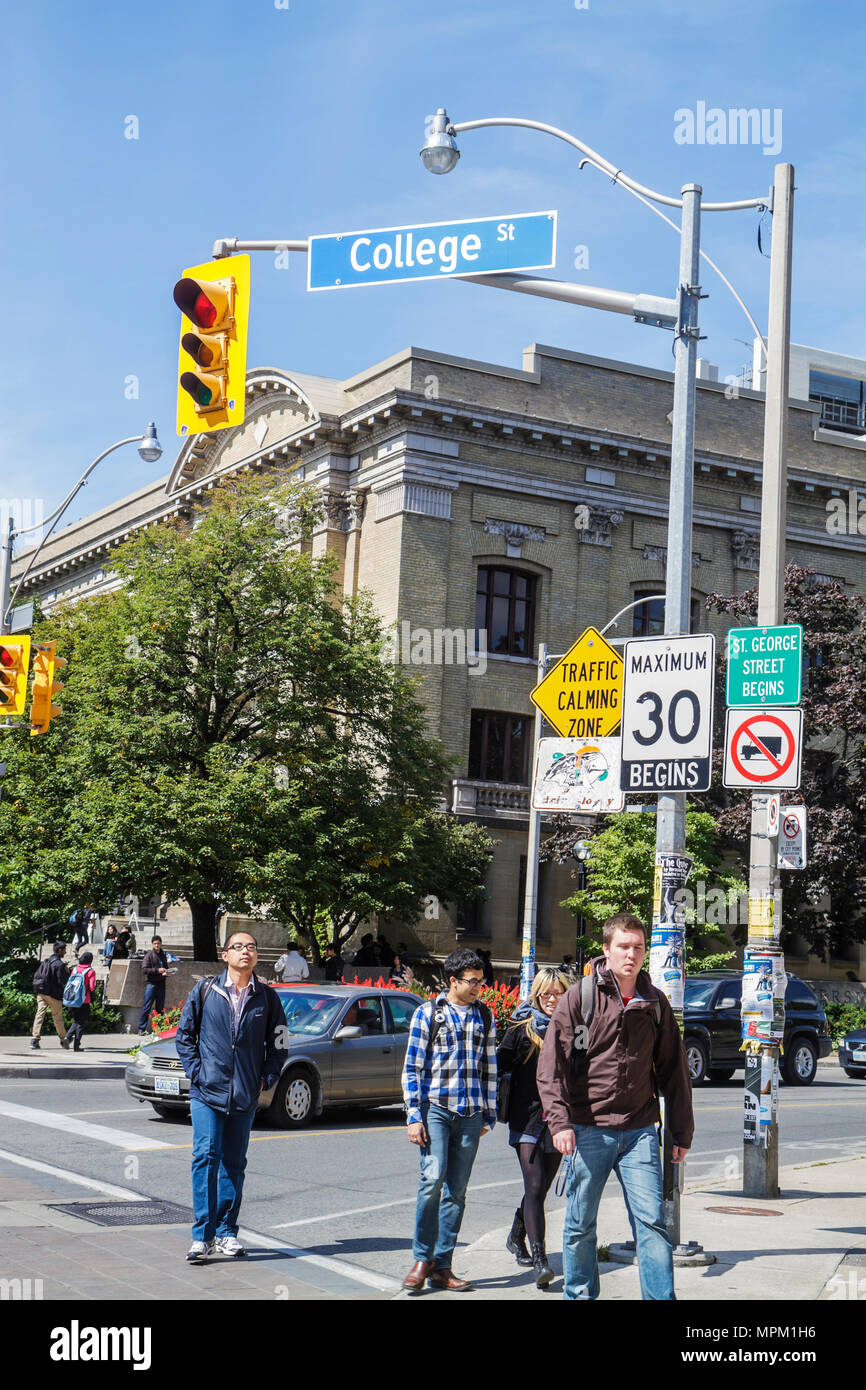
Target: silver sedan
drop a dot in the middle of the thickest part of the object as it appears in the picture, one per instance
(346, 1045)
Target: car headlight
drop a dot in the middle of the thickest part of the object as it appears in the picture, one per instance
(143, 1061)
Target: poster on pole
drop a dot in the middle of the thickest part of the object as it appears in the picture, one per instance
(667, 954)
(768, 1099)
(763, 1005)
(752, 1099)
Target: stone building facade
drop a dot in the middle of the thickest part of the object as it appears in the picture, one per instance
(530, 501)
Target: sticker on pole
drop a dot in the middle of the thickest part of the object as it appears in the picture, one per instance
(667, 714)
(792, 838)
(763, 748)
(575, 776)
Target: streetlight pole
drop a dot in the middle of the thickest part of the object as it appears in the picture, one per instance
(761, 1159)
(149, 449)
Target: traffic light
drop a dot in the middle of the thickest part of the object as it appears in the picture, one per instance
(212, 367)
(14, 665)
(45, 687)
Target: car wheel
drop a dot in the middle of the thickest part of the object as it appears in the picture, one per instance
(800, 1064)
(722, 1073)
(294, 1100)
(698, 1060)
(169, 1112)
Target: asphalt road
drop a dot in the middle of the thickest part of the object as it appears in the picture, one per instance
(346, 1186)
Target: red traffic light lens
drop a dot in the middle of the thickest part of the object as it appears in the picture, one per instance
(8, 657)
(201, 394)
(191, 299)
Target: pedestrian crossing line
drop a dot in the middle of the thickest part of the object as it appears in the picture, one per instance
(106, 1189)
(70, 1124)
(293, 1134)
(382, 1206)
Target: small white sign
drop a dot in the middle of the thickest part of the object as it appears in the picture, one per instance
(792, 838)
(577, 775)
(772, 816)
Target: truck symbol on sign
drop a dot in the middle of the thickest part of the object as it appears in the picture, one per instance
(772, 744)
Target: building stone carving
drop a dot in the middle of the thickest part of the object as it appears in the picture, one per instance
(660, 553)
(746, 546)
(516, 534)
(599, 526)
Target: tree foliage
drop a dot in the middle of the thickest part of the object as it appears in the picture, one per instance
(231, 735)
(825, 902)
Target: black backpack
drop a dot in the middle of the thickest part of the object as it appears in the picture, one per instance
(42, 976)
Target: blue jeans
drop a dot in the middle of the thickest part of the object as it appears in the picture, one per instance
(634, 1154)
(154, 998)
(219, 1158)
(446, 1162)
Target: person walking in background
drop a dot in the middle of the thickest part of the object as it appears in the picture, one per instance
(333, 965)
(291, 967)
(49, 983)
(155, 968)
(518, 1055)
(612, 1047)
(449, 1088)
(77, 996)
(231, 1040)
(79, 930)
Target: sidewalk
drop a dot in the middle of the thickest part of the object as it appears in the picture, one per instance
(809, 1245)
(792, 1248)
(101, 1055)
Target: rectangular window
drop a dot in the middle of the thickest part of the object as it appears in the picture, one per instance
(499, 746)
(648, 619)
(842, 400)
(542, 900)
(505, 608)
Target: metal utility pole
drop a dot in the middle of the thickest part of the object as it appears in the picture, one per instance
(671, 819)
(761, 1158)
(527, 952)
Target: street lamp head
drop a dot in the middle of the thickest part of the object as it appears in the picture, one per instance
(150, 448)
(581, 850)
(440, 153)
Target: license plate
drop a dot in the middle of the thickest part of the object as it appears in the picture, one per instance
(859, 1055)
(167, 1085)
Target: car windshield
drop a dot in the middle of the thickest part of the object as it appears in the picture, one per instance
(309, 1013)
(699, 993)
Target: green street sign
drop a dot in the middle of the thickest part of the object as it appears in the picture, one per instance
(765, 665)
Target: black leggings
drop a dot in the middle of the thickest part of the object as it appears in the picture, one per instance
(538, 1175)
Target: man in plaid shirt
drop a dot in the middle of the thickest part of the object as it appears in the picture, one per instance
(449, 1086)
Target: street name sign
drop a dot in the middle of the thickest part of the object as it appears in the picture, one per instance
(432, 251)
(571, 775)
(792, 838)
(763, 748)
(667, 723)
(581, 695)
(765, 665)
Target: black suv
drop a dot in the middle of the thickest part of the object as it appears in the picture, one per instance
(712, 1032)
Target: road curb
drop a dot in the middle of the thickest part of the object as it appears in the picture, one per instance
(60, 1072)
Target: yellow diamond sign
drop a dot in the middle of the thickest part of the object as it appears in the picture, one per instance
(582, 695)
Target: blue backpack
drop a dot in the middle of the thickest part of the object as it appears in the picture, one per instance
(75, 993)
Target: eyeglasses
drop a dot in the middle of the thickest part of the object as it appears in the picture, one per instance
(552, 994)
(472, 981)
(244, 947)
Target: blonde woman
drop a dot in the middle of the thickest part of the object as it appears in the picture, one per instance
(527, 1129)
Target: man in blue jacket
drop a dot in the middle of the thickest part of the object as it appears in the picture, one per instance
(231, 1040)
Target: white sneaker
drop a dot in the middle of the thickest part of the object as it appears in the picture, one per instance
(229, 1245)
(199, 1250)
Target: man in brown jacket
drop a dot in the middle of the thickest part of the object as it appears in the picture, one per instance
(598, 1087)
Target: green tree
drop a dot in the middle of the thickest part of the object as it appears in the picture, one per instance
(826, 902)
(231, 735)
(620, 877)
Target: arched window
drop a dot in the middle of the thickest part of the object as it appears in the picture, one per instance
(505, 609)
(648, 619)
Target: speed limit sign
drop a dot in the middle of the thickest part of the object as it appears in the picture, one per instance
(667, 713)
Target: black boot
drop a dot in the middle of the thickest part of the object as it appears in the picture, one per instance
(543, 1272)
(516, 1242)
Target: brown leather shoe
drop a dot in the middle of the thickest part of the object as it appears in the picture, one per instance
(447, 1279)
(415, 1279)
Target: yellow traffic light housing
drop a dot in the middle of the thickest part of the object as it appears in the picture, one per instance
(45, 687)
(214, 300)
(14, 665)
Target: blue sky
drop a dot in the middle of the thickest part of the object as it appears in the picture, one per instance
(258, 121)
